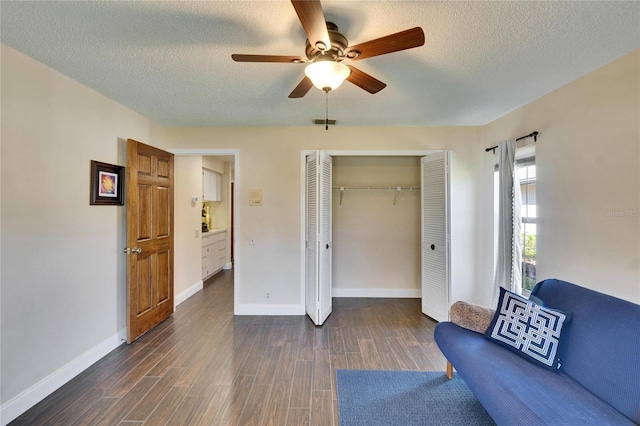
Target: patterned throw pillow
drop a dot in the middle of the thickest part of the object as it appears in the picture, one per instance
(530, 330)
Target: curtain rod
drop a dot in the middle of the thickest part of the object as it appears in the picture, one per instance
(533, 135)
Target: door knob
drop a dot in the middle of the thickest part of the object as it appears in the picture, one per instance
(433, 246)
(136, 250)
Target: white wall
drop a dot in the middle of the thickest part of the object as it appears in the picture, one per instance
(63, 268)
(220, 211)
(376, 244)
(588, 188)
(214, 163)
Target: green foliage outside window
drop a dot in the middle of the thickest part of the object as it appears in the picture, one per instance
(530, 247)
(529, 262)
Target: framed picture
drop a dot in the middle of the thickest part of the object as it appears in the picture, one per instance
(106, 184)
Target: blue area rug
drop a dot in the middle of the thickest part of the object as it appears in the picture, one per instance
(372, 397)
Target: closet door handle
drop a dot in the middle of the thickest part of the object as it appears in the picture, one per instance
(327, 246)
(433, 246)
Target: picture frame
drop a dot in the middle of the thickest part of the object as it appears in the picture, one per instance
(106, 184)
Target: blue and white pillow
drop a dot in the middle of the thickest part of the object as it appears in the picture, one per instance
(528, 329)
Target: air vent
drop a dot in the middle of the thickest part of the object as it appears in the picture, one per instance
(322, 121)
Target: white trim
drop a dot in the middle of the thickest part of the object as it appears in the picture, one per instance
(270, 310)
(384, 153)
(187, 293)
(45, 387)
(205, 152)
(227, 265)
(396, 293)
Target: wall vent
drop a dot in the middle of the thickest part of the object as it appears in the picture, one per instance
(321, 121)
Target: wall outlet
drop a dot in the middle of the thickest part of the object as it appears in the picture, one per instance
(268, 295)
(197, 233)
(252, 241)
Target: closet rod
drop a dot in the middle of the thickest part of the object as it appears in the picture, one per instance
(378, 188)
(533, 135)
(398, 189)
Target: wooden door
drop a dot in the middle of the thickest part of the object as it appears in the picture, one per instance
(149, 237)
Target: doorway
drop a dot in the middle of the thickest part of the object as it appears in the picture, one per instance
(193, 194)
(432, 247)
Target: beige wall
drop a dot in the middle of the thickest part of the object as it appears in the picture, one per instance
(376, 244)
(271, 159)
(588, 165)
(63, 269)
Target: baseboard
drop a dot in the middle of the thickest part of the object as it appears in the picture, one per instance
(185, 294)
(45, 387)
(269, 310)
(396, 293)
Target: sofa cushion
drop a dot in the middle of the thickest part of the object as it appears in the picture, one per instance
(601, 348)
(515, 391)
(528, 329)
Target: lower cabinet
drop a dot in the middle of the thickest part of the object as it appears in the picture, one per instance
(214, 248)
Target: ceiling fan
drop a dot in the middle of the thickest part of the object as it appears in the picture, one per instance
(326, 48)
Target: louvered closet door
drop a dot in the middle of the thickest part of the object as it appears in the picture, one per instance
(318, 237)
(326, 243)
(311, 230)
(436, 285)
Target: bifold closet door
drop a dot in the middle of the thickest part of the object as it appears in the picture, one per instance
(318, 237)
(436, 276)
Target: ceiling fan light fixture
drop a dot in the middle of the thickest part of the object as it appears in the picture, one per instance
(327, 75)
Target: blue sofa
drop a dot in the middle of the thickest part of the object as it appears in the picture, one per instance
(598, 382)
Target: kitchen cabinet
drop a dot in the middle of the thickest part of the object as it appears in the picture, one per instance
(214, 252)
(211, 186)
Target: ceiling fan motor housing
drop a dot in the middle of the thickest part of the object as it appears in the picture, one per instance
(339, 44)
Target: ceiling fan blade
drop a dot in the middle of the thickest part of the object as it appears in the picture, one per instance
(365, 81)
(267, 58)
(407, 39)
(312, 19)
(302, 88)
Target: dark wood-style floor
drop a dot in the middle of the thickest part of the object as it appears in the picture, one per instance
(204, 366)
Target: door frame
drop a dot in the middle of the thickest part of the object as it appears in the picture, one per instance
(342, 153)
(206, 152)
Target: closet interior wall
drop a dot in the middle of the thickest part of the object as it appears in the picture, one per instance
(376, 244)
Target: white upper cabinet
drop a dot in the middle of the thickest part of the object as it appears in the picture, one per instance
(211, 186)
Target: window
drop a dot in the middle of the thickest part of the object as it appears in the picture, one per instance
(526, 173)
(527, 178)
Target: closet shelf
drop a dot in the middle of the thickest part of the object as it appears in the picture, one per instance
(398, 190)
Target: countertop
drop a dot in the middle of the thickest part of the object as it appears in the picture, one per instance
(213, 231)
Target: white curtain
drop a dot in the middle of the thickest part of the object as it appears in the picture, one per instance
(508, 273)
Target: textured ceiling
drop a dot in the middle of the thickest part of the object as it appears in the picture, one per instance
(171, 61)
